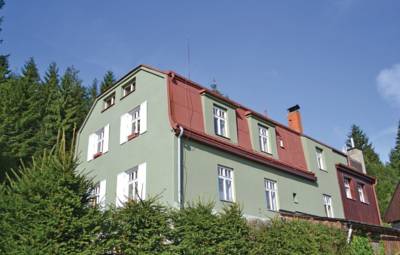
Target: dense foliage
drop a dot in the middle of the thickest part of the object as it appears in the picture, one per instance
(46, 209)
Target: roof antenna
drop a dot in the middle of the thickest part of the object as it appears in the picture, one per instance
(188, 57)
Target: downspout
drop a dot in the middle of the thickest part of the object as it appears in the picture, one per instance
(180, 169)
(349, 234)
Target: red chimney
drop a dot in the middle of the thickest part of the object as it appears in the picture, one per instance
(294, 118)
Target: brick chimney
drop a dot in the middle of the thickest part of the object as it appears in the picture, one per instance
(294, 118)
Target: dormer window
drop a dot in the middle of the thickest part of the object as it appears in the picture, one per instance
(320, 158)
(347, 187)
(220, 121)
(129, 88)
(109, 101)
(264, 139)
(360, 190)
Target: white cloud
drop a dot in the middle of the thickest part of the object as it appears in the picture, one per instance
(388, 83)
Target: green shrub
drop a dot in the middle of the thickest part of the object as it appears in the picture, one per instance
(298, 237)
(360, 245)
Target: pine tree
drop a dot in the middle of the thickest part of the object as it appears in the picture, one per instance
(394, 156)
(93, 92)
(74, 103)
(45, 210)
(361, 142)
(51, 120)
(107, 82)
(30, 72)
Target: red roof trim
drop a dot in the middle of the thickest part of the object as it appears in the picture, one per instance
(221, 144)
(353, 171)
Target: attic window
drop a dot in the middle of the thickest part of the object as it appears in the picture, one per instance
(109, 101)
(129, 88)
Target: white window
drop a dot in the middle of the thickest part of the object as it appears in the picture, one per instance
(135, 120)
(328, 206)
(98, 142)
(129, 88)
(99, 194)
(131, 184)
(361, 195)
(264, 139)
(109, 101)
(347, 187)
(225, 183)
(220, 121)
(271, 193)
(320, 158)
(133, 123)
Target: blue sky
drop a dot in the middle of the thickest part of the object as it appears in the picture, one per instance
(338, 59)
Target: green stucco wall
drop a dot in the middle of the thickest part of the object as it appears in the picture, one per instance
(327, 179)
(208, 104)
(156, 146)
(255, 140)
(201, 177)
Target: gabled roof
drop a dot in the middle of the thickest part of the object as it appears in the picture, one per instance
(393, 211)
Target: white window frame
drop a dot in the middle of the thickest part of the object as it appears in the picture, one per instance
(133, 184)
(220, 121)
(131, 85)
(225, 181)
(263, 135)
(271, 195)
(95, 195)
(320, 158)
(327, 199)
(135, 120)
(361, 193)
(347, 187)
(100, 139)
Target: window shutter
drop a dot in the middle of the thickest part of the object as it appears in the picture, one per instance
(106, 137)
(142, 180)
(122, 188)
(123, 135)
(102, 193)
(91, 146)
(143, 117)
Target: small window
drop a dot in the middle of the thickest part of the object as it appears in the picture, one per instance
(271, 192)
(109, 101)
(281, 144)
(225, 183)
(133, 184)
(220, 121)
(264, 139)
(95, 196)
(361, 194)
(295, 199)
(347, 187)
(328, 206)
(320, 158)
(129, 88)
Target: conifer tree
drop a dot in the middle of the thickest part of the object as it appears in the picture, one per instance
(73, 103)
(4, 68)
(107, 82)
(93, 92)
(45, 209)
(394, 156)
(30, 72)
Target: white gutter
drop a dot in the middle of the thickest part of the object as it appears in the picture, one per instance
(180, 170)
(349, 234)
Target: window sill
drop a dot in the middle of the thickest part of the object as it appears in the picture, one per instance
(222, 136)
(132, 136)
(127, 94)
(350, 198)
(97, 155)
(105, 109)
(323, 170)
(227, 201)
(266, 152)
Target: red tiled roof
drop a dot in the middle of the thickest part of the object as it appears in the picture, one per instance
(186, 110)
